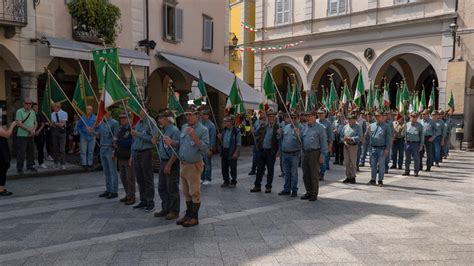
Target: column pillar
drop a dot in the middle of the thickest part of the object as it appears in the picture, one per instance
(468, 119)
(29, 85)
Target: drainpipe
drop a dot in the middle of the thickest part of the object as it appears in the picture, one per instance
(147, 50)
(454, 34)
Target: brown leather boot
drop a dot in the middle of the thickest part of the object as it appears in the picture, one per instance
(187, 214)
(130, 201)
(172, 216)
(194, 218)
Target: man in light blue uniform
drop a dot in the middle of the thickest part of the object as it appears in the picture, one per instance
(414, 140)
(107, 131)
(143, 135)
(428, 132)
(168, 180)
(449, 124)
(87, 140)
(231, 142)
(206, 177)
(389, 118)
(380, 143)
(261, 119)
(315, 144)
(193, 146)
(286, 121)
(366, 144)
(291, 145)
(330, 138)
(439, 136)
(338, 126)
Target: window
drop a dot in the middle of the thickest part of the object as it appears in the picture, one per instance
(396, 2)
(173, 22)
(337, 7)
(207, 33)
(283, 11)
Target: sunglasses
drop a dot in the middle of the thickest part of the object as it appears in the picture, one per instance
(28, 103)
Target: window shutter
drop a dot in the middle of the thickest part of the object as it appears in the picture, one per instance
(342, 6)
(287, 13)
(333, 7)
(279, 11)
(165, 22)
(178, 24)
(207, 34)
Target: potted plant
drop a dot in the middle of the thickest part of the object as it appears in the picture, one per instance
(95, 21)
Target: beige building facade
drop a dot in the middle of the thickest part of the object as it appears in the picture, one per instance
(188, 37)
(389, 40)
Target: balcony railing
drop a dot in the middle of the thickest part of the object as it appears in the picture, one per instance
(13, 13)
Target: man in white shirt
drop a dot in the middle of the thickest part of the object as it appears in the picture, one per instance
(58, 133)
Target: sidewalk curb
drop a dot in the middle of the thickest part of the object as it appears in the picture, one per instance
(49, 173)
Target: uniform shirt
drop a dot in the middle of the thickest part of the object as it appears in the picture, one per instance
(380, 135)
(290, 142)
(398, 130)
(328, 127)
(339, 126)
(60, 117)
(107, 130)
(267, 138)
(449, 124)
(171, 131)
(414, 132)
(29, 123)
(314, 137)
(212, 133)
(146, 132)
(227, 133)
(428, 127)
(354, 132)
(189, 151)
(440, 129)
(82, 127)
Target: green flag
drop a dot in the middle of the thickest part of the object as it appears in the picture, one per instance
(288, 94)
(234, 95)
(359, 90)
(46, 101)
(370, 99)
(268, 86)
(332, 97)
(311, 101)
(174, 105)
(295, 96)
(199, 93)
(405, 96)
(451, 101)
(397, 99)
(346, 94)
(377, 104)
(101, 56)
(431, 103)
(56, 92)
(82, 93)
(133, 103)
(324, 99)
(422, 105)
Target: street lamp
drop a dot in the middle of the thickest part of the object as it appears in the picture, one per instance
(453, 27)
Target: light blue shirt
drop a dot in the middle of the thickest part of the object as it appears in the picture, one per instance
(82, 128)
(428, 127)
(327, 125)
(107, 130)
(212, 132)
(354, 132)
(226, 135)
(290, 141)
(166, 152)
(414, 132)
(440, 129)
(146, 132)
(380, 135)
(60, 114)
(189, 151)
(314, 137)
(267, 139)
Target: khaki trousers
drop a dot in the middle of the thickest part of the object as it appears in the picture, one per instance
(191, 180)
(350, 160)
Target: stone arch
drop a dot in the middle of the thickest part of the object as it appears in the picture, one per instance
(10, 59)
(329, 58)
(292, 64)
(393, 52)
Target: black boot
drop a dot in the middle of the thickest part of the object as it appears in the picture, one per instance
(187, 214)
(194, 220)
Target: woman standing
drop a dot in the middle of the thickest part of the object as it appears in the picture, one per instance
(5, 157)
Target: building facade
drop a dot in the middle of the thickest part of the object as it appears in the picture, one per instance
(167, 42)
(388, 40)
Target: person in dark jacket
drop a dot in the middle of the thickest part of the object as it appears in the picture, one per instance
(231, 143)
(267, 146)
(123, 154)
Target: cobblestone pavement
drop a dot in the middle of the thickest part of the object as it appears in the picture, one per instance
(424, 220)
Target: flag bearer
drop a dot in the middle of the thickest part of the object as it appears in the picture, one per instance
(123, 155)
(330, 138)
(428, 131)
(231, 142)
(351, 136)
(290, 152)
(206, 177)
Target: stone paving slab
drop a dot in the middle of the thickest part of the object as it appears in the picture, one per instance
(425, 220)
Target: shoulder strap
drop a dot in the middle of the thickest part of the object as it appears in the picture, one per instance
(28, 116)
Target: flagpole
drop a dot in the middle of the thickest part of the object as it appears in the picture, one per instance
(281, 98)
(93, 92)
(141, 107)
(299, 92)
(251, 123)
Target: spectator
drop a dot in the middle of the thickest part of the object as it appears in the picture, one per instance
(87, 139)
(40, 136)
(74, 136)
(5, 157)
(26, 121)
(58, 134)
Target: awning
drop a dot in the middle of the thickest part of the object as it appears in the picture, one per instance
(64, 48)
(216, 76)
